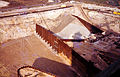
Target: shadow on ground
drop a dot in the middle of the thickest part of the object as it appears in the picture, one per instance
(53, 67)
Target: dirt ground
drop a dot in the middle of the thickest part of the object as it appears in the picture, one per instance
(30, 51)
(11, 4)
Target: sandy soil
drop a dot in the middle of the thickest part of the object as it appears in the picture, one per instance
(30, 51)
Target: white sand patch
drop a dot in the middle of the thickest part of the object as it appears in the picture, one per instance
(50, 0)
(74, 31)
(3, 3)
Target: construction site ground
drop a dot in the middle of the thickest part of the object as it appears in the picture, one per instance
(19, 48)
(30, 51)
(22, 3)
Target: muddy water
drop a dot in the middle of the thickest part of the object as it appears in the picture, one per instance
(30, 51)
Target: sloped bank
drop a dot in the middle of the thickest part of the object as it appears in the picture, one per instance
(24, 25)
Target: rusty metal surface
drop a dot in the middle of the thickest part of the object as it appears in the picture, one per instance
(82, 67)
(54, 41)
(112, 71)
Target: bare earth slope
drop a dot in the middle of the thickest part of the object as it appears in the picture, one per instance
(30, 51)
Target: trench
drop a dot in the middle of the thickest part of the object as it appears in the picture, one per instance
(20, 45)
(23, 47)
